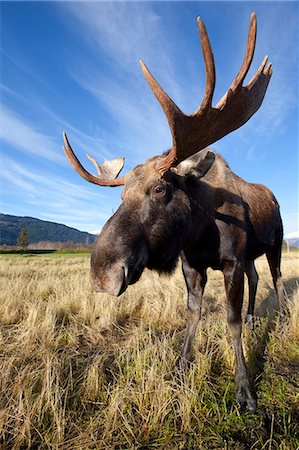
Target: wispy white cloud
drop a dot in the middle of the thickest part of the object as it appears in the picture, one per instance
(74, 220)
(281, 99)
(22, 135)
(96, 145)
(46, 182)
(28, 72)
(124, 35)
(141, 123)
(294, 234)
(6, 90)
(64, 201)
(16, 132)
(280, 105)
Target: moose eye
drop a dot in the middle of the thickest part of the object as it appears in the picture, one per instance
(159, 190)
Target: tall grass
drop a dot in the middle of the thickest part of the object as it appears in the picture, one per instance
(81, 370)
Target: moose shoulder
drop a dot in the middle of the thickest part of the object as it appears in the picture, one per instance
(189, 203)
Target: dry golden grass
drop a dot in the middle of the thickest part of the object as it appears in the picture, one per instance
(81, 370)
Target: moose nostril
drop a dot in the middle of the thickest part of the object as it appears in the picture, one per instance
(125, 269)
(124, 284)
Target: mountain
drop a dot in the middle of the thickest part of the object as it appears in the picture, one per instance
(292, 239)
(39, 230)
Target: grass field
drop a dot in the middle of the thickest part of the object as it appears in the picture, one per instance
(81, 370)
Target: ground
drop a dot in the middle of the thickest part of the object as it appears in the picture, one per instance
(81, 370)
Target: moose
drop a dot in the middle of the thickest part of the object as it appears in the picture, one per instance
(188, 203)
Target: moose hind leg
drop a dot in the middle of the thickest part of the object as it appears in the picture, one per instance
(253, 278)
(274, 259)
(195, 282)
(234, 284)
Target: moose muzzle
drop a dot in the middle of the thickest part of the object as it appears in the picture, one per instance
(114, 282)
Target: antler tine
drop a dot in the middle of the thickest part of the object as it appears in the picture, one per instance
(109, 169)
(95, 163)
(209, 67)
(171, 110)
(249, 52)
(259, 71)
(75, 163)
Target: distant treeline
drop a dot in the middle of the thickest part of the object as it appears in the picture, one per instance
(48, 245)
(40, 231)
(64, 251)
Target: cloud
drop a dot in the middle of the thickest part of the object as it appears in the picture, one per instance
(75, 221)
(142, 125)
(24, 70)
(119, 36)
(98, 146)
(281, 99)
(122, 33)
(23, 136)
(294, 234)
(64, 201)
(46, 183)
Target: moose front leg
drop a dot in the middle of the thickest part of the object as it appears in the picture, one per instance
(195, 282)
(234, 284)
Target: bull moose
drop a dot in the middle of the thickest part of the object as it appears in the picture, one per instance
(188, 203)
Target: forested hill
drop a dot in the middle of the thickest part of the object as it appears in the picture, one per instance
(39, 230)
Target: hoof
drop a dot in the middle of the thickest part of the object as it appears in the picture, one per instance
(282, 321)
(245, 399)
(250, 322)
(183, 364)
(251, 405)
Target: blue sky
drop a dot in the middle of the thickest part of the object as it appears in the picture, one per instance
(74, 67)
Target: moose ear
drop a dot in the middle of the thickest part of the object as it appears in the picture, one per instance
(205, 164)
(197, 165)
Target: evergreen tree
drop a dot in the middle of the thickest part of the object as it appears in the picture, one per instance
(23, 239)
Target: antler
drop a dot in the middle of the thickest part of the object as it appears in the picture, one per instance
(107, 171)
(191, 133)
